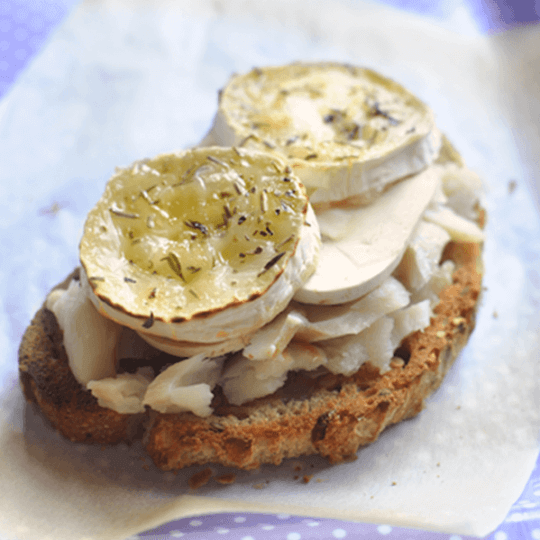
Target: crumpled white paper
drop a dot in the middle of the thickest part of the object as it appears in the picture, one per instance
(123, 81)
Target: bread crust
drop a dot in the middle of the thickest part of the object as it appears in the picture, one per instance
(330, 415)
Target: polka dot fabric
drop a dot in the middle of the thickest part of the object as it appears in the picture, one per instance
(522, 522)
(24, 28)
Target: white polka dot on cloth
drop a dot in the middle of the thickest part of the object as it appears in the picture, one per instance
(222, 530)
(20, 54)
(455, 537)
(339, 533)
(294, 536)
(20, 34)
(384, 529)
(195, 523)
(247, 538)
(267, 527)
(239, 519)
(535, 534)
(176, 534)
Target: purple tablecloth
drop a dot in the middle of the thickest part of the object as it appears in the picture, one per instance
(24, 29)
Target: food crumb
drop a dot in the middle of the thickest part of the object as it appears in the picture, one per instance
(394, 483)
(259, 486)
(495, 315)
(441, 334)
(296, 477)
(200, 479)
(319, 480)
(306, 478)
(512, 185)
(226, 479)
(52, 210)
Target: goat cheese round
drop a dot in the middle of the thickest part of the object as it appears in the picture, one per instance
(347, 131)
(201, 245)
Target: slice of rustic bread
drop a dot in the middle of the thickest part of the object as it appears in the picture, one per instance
(328, 414)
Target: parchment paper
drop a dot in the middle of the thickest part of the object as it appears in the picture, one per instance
(122, 81)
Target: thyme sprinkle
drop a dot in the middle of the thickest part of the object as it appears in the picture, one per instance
(198, 226)
(274, 164)
(352, 134)
(150, 321)
(120, 213)
(129, 280)
(292, 140)
(174, 263)
(246, 139)
(217, 161)
(264, 206)
(311, 156)
(241, 220)
(286, 241)
(376, 111)
(272, 262)
(146, 197)
(96, 278)
(194, 294)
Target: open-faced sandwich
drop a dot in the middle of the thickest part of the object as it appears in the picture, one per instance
(302, 279)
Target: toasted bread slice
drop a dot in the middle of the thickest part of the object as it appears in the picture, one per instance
(327, 414)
